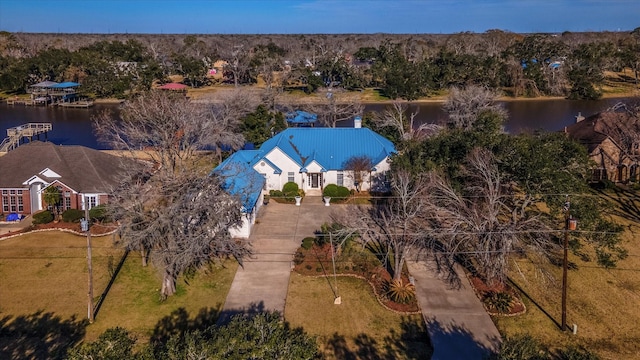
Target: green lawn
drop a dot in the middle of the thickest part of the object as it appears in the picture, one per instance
(359, 327)
(45, 275)
(602, 302)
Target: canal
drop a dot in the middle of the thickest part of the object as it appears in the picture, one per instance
(74, 126)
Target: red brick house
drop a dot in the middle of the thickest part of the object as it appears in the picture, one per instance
(78, 172)
(612, 139)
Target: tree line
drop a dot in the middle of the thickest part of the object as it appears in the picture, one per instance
(401, 66)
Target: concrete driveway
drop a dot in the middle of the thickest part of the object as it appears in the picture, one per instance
(262, 283)
(458, 325)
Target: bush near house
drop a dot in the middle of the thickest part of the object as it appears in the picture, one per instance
(43, 217)
(289, 191)
(336, 193)
(99, 213)
(72, 215)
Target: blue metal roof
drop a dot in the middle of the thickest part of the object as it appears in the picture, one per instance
(67, 84)
(329, 147)
(301, 117)
(240, 179)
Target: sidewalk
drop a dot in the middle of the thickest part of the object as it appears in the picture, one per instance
(458, 325)
(262, 284)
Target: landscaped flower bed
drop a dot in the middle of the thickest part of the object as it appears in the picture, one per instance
(316, 260)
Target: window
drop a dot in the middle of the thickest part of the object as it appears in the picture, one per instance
(12, 200)
(340, 180)
(291, 176)
(67, 200)
(92, 199)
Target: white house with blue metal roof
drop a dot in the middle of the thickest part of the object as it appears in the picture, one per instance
(311, 157)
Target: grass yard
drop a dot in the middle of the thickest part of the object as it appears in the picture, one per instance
(602, 302)
(44, 275)
(358, 328)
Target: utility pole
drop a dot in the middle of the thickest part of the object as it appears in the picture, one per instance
(85, 227)
(569, 224)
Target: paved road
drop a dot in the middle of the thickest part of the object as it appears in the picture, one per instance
(262, 284)
(458, 325)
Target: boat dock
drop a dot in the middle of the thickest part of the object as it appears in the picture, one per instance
(18, 134)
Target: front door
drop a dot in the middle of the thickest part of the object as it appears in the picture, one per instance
(315, 181)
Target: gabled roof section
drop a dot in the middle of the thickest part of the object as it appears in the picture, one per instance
(240, 179)
(49, 173)
(595, 129)
(329, 147)
(82, 169)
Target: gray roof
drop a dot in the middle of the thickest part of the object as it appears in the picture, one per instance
(82, 169)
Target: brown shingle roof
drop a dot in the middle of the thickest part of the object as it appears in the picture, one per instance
(82, 169)
(596, 128)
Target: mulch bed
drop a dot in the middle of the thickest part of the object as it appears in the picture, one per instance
(317, 262)
(482, 289)
(96, 229)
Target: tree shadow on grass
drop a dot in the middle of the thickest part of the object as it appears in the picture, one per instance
(179, 322)
(39, 336)
(627, 201)
(253, 309)
(411, 342)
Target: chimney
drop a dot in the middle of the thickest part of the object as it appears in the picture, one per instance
(357, 122)
(579, 117)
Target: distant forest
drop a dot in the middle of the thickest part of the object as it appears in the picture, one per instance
(401, 66)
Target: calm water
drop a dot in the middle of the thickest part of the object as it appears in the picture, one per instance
(73, 126)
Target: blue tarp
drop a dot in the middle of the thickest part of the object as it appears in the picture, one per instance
(13, 217)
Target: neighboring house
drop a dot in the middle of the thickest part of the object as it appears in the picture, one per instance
(609, 139)
(78, 172)
(310, 157)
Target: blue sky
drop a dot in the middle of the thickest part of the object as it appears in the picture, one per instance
(316, 16)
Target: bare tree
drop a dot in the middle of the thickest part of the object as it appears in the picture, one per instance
(397, 224)
(395, 117)
(465, 105)
(330, 110)
(183, 223)
(484, 225)
(358, 168)
(172, 211)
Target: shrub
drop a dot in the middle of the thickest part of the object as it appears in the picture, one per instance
(290, 189)
(307, 243)
(43, 217)
(337, 193)
(520, 347)
(98, 213)
(400, 292)
(298, 258)
(499, 301)
(72, 215)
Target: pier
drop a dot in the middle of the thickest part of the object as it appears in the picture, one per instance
(18, 134)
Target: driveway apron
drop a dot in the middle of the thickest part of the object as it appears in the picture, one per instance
(458, 325)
